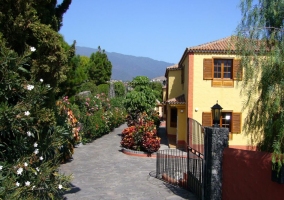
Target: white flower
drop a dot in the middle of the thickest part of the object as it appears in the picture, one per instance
(20, 171)
(35, 144)
(33, 187)
(36, 151)
(27, 183)
(60, 186)
(29, 133)
(30, 87)
(32, 49)
(41, 158)
(27, 113)
(37, 169)
(1, 167)
(35, 173)
(41, 80)
(17, 184)
(26, 164)
(47, 85)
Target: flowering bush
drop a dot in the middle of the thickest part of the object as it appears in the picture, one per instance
(30, 138)
(67, 119)
(141, 137)
(98, 116)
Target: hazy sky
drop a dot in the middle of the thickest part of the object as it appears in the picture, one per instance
(158, 29)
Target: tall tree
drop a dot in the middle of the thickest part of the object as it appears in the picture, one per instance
(260, 44)
(99, 67)
(76, 76)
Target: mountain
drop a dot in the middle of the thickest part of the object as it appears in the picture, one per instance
(126, 67)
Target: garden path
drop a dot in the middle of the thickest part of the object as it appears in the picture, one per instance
(102, 172)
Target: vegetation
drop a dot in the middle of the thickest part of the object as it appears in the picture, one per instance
(119, 89)
(141, 135)
(261, 45)
(31, 140)
(142, 98)
(99, 67)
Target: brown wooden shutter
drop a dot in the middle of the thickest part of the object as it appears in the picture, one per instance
(207, 69)
(207, 119)
(236, 122)
(237, 70)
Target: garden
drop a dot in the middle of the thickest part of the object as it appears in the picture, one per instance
(51, 100)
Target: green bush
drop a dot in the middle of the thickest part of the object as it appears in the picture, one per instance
(30, 138)
(98, 116)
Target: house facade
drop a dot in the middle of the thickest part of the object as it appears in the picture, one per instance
(206, 74)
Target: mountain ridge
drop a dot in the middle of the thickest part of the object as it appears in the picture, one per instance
(126, 67)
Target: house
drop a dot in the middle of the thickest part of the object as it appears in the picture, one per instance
(205, 74)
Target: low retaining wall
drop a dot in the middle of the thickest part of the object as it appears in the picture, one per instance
(247, 175)
(138, 153)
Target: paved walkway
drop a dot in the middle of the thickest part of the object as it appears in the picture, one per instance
(102, 172)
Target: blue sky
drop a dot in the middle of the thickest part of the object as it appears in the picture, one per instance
(158, 29)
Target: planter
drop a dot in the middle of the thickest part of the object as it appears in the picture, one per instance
(277, 176)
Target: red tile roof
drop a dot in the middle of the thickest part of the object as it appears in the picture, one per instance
(218, 46)
(177, 100)
(171, 68)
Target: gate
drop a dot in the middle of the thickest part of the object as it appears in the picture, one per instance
(195, 157)
(185, 168)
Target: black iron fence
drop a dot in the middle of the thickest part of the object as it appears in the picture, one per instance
(171, 166)
(185, 168)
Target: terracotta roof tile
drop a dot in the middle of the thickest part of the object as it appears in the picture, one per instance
(177, 100)
(175, 66)
(218, 46)
(171, 68)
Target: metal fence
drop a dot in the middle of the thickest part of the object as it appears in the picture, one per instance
(171, 166)
(185, 168)
(196, 162)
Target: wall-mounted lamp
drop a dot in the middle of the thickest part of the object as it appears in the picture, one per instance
(196, 109)
(181, 111)
(216, 113)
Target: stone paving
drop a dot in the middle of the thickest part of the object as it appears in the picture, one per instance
(102, 172)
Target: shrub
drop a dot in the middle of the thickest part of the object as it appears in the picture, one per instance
(30, 138)
(98, 116)
(141, 137)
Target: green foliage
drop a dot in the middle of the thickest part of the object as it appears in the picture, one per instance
(98, 115)
(260, 44)
(99, 67)
(26, 24)
(119, 89)
(103, 88)
(30, 139)
(141, 98)
(158, 90)
(76, 76)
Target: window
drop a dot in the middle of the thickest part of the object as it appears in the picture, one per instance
(230, 120)
(226, 120)
(173, 117)
(222, 71)
(223, 68)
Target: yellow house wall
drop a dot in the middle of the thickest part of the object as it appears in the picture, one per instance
(170, 130)
(181, 125)
(164, 94)
(174, 90)
(205, 96)
(174, 84)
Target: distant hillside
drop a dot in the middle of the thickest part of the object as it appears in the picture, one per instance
(126, 67)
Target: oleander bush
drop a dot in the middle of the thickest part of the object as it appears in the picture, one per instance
(98, 115)
(31, 140)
